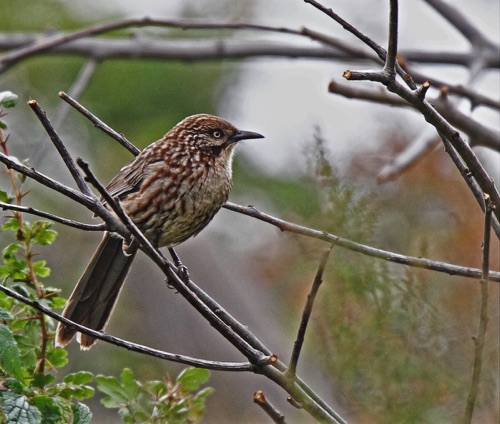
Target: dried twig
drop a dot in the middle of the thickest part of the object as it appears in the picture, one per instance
(306, 313)
(52, 217)
(479, 341)
(134, 347)
(260, 399)
(99, 124)
(61, 148)
(417, 262)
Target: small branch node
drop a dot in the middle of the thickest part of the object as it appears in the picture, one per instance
(293, 402)
(260, 399)
(422, 90)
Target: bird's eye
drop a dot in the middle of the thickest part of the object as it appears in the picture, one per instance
(217, 134)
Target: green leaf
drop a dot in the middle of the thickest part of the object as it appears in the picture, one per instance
(8, 99)
(42, 234)
(12, 225)
(57, 356)
(10, 250)
(42, 380)
(192, 378)
(81, 377)
(118, 393)
(10, 360)
(20, 289)
(4, 197)
(14, 385)
(129, 384)
(81, 413)
(52, 411)
(4, 315)
(17, 409)
(40, 269)
(74, 385)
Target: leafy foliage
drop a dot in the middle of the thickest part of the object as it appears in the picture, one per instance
(157, 401)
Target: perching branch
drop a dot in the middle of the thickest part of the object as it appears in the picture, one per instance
(386, 255)
(134, 347)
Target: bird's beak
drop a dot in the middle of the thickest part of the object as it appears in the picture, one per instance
(245, 135)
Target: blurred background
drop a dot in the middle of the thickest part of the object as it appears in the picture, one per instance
(387, 343)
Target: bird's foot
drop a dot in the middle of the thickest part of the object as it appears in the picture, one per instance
(182, 270)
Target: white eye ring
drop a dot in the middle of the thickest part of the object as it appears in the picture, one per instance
(217, 134)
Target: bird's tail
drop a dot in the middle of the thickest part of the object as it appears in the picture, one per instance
(95, 295)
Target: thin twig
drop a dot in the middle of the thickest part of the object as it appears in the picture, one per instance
(392, 46)
(90, 202)
(134, 347)
(471, 183)
(61, 148)
(479, 341)
(53, 41)
(76, 89)
(52, 217)
(306, 314)
(260, 399)
(100, 124)
(380, 51)
(361, 248)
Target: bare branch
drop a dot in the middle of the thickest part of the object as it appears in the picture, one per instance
(479, 341)
(260, 399)
(306, 313)
(76, 89)
(61, 148)
(361, 248)
(392, 49)
(479, 134)
(52, 217)
(419, 148)
(99, 124)
(134, 347)
(460, 22)
(380, 51)
(90, 202)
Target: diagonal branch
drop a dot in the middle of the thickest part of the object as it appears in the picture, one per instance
(306, 313)
(134, 347)
(379, 50)
(99, 124)
(386, 255)
(459, 21)
(61, 148)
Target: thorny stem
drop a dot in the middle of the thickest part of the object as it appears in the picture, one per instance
(32, 277)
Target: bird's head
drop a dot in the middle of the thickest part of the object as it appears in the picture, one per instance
(211, 133)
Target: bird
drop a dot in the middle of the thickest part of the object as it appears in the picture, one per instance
(171, 191)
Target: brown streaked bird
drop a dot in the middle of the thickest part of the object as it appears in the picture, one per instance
(171, 191)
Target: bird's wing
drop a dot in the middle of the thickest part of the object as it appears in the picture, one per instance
(132, 175)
